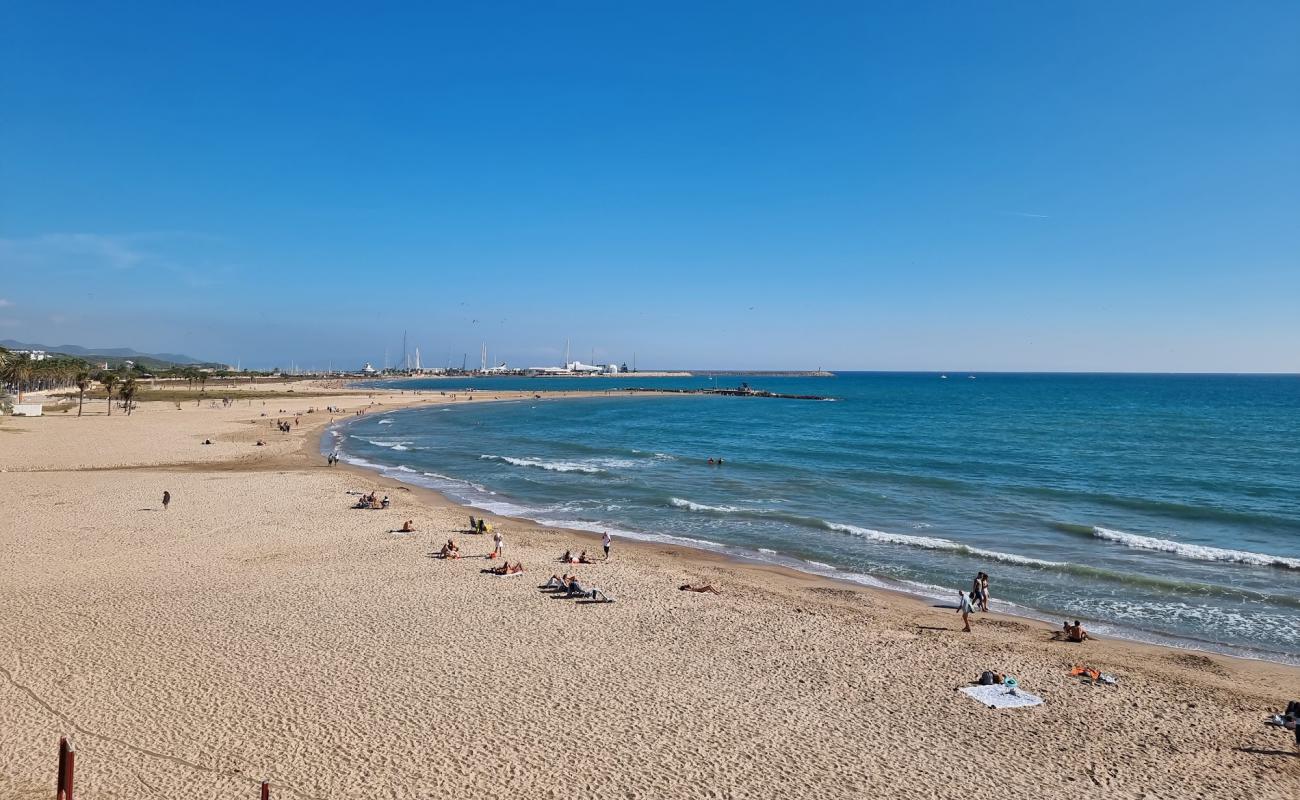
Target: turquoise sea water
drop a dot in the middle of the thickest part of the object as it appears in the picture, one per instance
(1159, 507)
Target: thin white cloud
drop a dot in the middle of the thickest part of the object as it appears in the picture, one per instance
(60, 249)
(176, 252)
(1025, 214)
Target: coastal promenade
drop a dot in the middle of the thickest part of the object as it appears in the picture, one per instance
(259, 628)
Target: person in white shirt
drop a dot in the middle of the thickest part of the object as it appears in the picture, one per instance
(964, 608)
(604, 542)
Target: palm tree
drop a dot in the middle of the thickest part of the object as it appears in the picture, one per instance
(82, 379)
(18, 368)
(109, 380)
(127, 392)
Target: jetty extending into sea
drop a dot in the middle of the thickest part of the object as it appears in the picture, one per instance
(741, 391)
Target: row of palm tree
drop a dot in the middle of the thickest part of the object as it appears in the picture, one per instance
(25, 374)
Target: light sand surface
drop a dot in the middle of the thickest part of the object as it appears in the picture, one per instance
(259, 628)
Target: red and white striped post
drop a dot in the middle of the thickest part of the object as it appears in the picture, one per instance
(63, 788)
(266, 790)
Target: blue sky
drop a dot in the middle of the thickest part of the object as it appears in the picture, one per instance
(1038, 186)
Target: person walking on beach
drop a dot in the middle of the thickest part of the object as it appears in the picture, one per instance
(964, 608)
(604, 542)
(167, 499)
(984, 592)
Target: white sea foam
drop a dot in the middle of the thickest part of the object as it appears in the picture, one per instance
(550, 466)
(385, 422)
(765, 550)
(388, 444)
(601, 527)
(935, 543)
(458, 481)
(1198, 552)
(678, 502)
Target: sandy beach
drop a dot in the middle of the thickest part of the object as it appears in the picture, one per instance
(260, 628)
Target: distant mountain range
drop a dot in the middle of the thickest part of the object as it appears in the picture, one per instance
(105, 352)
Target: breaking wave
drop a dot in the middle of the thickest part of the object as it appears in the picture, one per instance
(550, 466)
(1198, 552)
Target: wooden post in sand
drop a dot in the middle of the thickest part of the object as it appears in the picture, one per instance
(63, 788)
(266, 790)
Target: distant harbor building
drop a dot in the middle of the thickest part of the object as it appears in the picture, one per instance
(369, 369)
(34, 355)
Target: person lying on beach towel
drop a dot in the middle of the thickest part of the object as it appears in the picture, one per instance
(585, 559)
(577, 590)
(580, 592)
(569, 557)
(507, 569)
(407, 527)
(702, 588)
(1288, 720)
(559, 582)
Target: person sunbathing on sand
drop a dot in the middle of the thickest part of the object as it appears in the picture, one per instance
(568, 557)
(507, 568)
(585, 559)
(449, 550)
(559, 582)
(407, 527)
(1075, 632)
(705, 587)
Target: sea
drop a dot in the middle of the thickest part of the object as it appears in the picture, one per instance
(1163, 508)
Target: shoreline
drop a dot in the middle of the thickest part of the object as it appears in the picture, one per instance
(732, 556)
(259, 628)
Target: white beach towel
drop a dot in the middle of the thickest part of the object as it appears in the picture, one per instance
(996, 696)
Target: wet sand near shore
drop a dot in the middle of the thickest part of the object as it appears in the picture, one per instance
(260, 628)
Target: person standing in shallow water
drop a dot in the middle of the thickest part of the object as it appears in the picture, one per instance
(167, 499)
